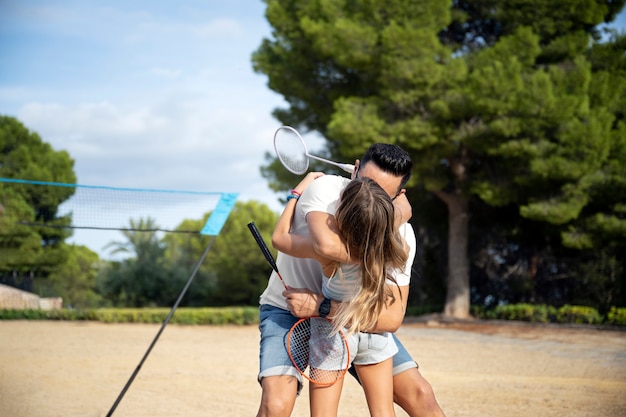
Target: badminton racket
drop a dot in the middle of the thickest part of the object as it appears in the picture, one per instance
(317, 351)
(293, 154)
(265, 250)
(320, 354)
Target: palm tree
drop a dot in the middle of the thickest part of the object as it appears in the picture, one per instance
(141, 239)
(140, 280)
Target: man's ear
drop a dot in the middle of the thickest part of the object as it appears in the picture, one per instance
(356, 169)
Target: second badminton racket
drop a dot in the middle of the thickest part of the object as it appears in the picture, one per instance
(293, 153)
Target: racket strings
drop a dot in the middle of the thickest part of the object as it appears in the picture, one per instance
(313, 344)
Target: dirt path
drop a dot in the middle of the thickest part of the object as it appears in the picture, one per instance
(78, 370)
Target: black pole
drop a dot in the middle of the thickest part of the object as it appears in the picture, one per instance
(167, 319)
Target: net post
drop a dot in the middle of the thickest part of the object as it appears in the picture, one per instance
(212, 227)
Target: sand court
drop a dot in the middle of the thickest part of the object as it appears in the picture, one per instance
(78, 369)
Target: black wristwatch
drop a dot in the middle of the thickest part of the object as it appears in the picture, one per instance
(324, 308)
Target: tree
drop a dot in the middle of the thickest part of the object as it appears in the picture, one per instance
(31, 250)
(75, 280)
(240, 268)
(140, 280)
(182, 254)
(563, 169)
(234, 272)
(491, 104)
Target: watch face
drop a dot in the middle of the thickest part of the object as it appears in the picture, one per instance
(325, 307)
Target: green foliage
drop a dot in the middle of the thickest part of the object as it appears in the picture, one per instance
(20, 245)
(250, 315)
(140, 280)
(241, 271)
(544, 314)
(578, 315)
(523, 312)
(233, 273)
(59, 314)
(616, 316)
(186, 316)
(75, 280)
(600, 280)
(512, 103)
(27, 251)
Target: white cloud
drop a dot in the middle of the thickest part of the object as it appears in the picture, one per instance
(218, 28)
(178, 143)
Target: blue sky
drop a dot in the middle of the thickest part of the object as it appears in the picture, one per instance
(144, 94)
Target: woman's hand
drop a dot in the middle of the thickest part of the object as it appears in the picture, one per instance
(308, 179)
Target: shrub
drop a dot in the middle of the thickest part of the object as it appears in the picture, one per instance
(523, 312)
(616, 316)
(578, 315)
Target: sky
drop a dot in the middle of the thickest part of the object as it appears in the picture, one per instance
(144, 93)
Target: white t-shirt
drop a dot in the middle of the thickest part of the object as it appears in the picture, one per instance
(321, 195)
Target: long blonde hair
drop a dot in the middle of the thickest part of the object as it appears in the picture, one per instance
(365, 219)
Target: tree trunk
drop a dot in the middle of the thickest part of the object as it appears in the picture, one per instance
(458, 293)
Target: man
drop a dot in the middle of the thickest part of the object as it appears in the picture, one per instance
(390, 167)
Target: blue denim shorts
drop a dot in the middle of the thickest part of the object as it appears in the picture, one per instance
(273, 357)
(402, 360)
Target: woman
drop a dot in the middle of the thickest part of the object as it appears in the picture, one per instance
(365, 223)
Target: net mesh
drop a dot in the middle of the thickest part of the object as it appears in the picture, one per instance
(104, 208)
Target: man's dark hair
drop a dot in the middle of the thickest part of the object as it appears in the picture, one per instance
(391, 159)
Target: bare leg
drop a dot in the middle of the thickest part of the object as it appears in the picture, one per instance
(377, 382)
(278, 397)
(324, 401)
(414, 394)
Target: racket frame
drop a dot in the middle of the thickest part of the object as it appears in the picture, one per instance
(346, 167)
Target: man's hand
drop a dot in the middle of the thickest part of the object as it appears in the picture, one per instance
(403, 209)
(302, 302)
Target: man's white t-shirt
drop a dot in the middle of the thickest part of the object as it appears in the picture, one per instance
(321, 195)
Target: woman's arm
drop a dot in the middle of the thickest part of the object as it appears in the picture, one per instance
(291, 244)
(325, 235)
(325, 238)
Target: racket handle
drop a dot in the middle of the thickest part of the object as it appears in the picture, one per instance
(259, 240)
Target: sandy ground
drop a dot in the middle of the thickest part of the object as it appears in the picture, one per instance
(477, 369)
